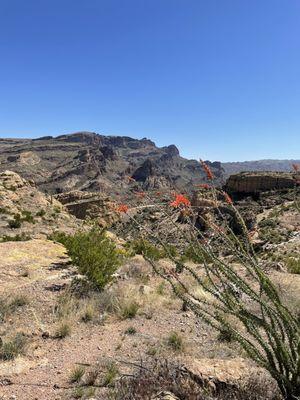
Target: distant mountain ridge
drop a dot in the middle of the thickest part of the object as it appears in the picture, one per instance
(110, 164)
(258, 165)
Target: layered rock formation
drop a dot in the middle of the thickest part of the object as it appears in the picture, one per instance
(89, 205)
(255, 182)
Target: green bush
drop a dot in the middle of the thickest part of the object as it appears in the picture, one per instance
(17, 238)
(93, 253)
(192, 253)
(144, 247)
(16, 222)
(27, 216)
(175, 341)
(40, 213)
(293, 265)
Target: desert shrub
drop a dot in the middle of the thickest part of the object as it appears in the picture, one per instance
(293, 264)
(193, 254)
(27, 216)
(272, 235)
(88, 313)
(130, 331)
(4, 210)
(93, 253)
(161, 288)
(11, 349)
(41, 213)
(63, 330)
(9, 305)
(268, 222)
(110, 374)
(143, 247)
(128, 309)
(78, 392)
(175, 341)
(17, 238)
(76, 374)
(16, 222)
(18, 301)
(4, 309)
(161, 376)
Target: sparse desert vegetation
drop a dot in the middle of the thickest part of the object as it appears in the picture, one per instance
(150, 307)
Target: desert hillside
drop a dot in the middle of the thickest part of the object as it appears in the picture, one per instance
(87, 313)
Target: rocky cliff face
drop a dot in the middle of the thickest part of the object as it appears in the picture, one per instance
(254, 182)
(91, 162)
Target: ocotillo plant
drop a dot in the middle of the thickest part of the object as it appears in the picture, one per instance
(238, 299)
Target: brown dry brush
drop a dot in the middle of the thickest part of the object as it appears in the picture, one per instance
(240, 300)
(150, 380)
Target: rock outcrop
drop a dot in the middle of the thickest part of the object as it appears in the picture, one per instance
(27, 212)
(255, 182)
(89, 205)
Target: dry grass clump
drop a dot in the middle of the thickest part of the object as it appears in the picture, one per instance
(12, 348)
(63, 330)
(175, 342)
(9, 305)
(76, 374)
(128, 309)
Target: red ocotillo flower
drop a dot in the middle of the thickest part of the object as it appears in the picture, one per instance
(296, 167)
(180, 200)
(227, 198)
(122, 208)
(207, 170)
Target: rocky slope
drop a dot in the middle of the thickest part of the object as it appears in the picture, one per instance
(26, 212)
(92, 162)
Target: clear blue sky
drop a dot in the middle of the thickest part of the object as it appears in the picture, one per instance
(219, 78)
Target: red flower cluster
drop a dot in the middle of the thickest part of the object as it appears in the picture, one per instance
(122, 208)
(207, 170)
(180, 200)
(227, 198)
